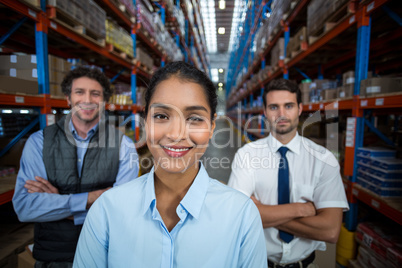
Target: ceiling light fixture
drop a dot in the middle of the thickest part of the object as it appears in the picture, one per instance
(214, 75)
(220, 85)
(220, 70)
(222, 4)
(208, 17)
(221, 30)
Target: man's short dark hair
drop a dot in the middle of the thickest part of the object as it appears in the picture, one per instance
(92, 73)
(281, 84)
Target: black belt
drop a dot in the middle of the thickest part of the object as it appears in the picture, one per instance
(304, 263)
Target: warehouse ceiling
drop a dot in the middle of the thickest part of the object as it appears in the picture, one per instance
(221, 19)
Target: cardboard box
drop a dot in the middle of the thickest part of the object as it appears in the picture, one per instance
(330, 94)
(15, 85)
(32, 75)
(348, 77)
(278, 52)
(319, 12)
(58, 3)
(305, 92)
(25, 62)
(56, 63)
(56, 77)
(346, 91)
(27, 74)
(380, 85)
(55, 90)
(295, 43)
(144, 58)
(305, 96)
(35, 3)
(25, 67)
(17, 61)
(25, 260)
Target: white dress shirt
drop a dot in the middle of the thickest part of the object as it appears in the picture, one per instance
(313, 176)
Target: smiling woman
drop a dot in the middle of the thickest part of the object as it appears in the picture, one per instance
(175, 216)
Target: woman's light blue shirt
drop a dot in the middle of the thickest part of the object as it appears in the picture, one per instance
(218, 227)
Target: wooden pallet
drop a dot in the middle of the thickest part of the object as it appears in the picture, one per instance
(124, 10)
(68, 21)
(290, 10)
(302, 47)
(147, 35)
(113, 49)
(33, 3)
(141, 66)
(329, 23)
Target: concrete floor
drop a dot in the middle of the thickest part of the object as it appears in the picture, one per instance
(218, 159)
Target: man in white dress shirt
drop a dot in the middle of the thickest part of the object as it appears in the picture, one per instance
(316, 197)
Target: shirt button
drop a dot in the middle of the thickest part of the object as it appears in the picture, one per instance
(182, 211)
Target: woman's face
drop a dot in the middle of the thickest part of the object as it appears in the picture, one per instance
(178, 125)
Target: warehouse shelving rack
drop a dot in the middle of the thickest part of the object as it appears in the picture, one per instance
(44, 22)
(201, 49)
(250, 27)
(357, 106)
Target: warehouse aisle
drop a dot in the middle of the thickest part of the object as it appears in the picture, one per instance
(221, 150)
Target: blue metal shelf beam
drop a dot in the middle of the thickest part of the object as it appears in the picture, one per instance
(392, 14)
(42, 61)
(302, 73)
(12, 30)
(379, 133)
(362, 55)
(19, 136)
(361, 69)
(117, 75)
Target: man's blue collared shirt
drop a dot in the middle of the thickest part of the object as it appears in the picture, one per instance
(218, 227)
(44, 207)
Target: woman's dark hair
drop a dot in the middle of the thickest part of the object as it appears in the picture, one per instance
(185, 72)
(281, 84)
(91, 73)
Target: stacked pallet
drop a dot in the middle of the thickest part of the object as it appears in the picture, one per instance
(118, 39)
(85, 16)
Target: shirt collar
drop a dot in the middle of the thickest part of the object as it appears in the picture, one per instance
(293, 145)
(149, 195)
(192, 201)
(90, 133)
(195, 196)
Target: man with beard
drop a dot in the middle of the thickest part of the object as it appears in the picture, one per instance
(66, 166)
(295, 183)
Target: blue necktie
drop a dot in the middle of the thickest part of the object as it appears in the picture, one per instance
(283, 188)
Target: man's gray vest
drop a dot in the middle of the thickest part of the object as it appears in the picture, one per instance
(56, 241)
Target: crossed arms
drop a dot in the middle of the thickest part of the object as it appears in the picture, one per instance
(36, 200)
(303, 220)
(40, 185)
